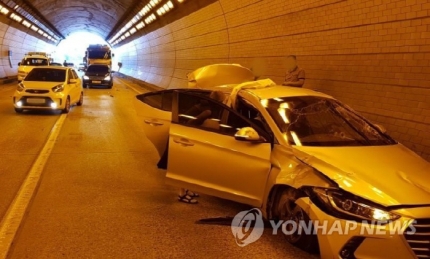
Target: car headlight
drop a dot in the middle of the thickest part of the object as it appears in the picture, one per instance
(342, 204)
(107, 78)
(20, 87)
(58, 88)
(86, 77)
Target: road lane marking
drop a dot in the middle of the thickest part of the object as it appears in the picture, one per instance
(15, 214)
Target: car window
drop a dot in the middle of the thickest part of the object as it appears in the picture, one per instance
(70, 74)
(160, 100)
(205, 113)
(75, 74)
(47, 75)
(98, 69)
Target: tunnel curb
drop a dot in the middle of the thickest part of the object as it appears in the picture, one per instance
(141, 83)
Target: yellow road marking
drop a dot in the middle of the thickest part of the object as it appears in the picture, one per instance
(15, 214)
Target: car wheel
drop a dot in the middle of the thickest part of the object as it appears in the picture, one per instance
(67, 106)
(17, 110)
(288, 211)
(81, 100)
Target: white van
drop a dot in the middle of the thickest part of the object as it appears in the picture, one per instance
(31, 60)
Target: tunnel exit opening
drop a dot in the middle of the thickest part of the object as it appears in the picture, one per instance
(73, 48)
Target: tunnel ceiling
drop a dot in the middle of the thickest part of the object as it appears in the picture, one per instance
(95, 16)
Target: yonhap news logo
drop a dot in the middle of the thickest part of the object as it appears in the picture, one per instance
(247, 227)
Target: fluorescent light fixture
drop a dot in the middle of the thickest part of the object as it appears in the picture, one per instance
(140, 25)
(34, 28)
(133, 30)
(26, 23)
(4, 10)
(150, 19)
(127, 34)
(40, 32)
(15, 17)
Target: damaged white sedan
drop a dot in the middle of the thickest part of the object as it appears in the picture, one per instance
(296, 154)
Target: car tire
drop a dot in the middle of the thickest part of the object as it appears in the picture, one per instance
(18, 110)
(81, 100)
(67, 106)
(287, 211)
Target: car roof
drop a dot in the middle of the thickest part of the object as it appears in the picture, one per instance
(52, 67)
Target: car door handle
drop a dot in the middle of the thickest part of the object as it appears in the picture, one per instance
(153, 123)
(183, 142)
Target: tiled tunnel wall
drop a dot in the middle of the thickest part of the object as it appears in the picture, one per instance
(372, 54)
(19, 42)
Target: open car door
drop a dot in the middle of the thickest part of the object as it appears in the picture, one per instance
(154, 112)
(208, 156)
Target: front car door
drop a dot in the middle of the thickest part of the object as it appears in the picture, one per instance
(73, 90)
(206, 157)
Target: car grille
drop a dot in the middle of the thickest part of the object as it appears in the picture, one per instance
(97, 78)
(34, 91)
(419, 238)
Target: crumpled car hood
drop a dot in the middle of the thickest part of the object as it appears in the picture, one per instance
(389, 175)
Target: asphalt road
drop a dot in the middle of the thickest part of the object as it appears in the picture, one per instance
(101, 195)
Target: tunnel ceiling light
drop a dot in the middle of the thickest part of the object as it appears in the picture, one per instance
(34, 28)
(127, 34)
(165, 8)
(150, 19)
(26, 23)
(133, 30)
(40, 32)
(181, 1)
(4, 10)
(15, 17)
(153, 3)
(122, 37)
(140, 25)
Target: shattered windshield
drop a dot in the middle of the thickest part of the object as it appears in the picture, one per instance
(317, 121)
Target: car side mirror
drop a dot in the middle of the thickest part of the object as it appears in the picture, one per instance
(381, 128)
(247, 134)
(19, 63)
(73, 81)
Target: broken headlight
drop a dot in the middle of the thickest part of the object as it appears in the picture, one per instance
(341, 204)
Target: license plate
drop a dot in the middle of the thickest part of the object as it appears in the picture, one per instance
(97, 82)
(36, 100)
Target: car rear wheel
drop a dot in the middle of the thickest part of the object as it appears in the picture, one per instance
(17, 110)
(294, 217)
(67, 106)
(81, 100)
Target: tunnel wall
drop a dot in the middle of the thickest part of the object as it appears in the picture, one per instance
(372, 54)
(19, 42)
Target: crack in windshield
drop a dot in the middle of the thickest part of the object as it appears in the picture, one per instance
(317, 121)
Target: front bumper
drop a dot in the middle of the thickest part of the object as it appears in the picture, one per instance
(367, 241)
(96, 81)
(49, 101)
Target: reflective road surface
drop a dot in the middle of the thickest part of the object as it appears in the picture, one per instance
(100, 194)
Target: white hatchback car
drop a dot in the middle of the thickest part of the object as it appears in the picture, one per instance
(297, 155)
(49, 87)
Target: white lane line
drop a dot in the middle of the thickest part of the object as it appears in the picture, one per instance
(15, 214)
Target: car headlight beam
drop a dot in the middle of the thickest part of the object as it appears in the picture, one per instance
(107, 78)
(345, 205)
(86, 78)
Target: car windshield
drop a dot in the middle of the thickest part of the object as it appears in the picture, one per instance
(318, 121)
(34, 62)
(99, 54)
(46, 75)
(98, 69)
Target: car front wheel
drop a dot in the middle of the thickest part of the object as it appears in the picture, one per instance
(67, 106)
(300, 231)
(17, 110)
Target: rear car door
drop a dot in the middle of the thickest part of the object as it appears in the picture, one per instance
(205, 156)
(154, 112)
